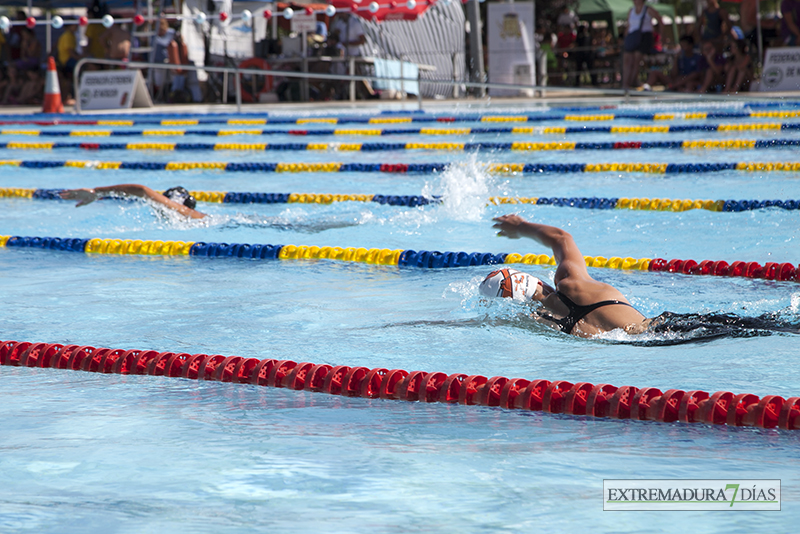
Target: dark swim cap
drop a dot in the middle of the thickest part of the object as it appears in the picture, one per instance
(181, 196)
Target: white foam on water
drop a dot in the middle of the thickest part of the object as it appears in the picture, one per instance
(464, 188)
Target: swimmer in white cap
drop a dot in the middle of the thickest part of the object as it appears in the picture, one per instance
(177, 198)
(579, 304)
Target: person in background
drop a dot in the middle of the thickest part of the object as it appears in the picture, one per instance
(183, 79)
(748, 20)
(567, 17)
(790, 27)
(117, 41)
(584, 55)
(565, 40)
(739, 69)
(30, 56)
(96, 46)
(335, 50)
(686, 73)
(24, 88)
(15, 37)
(67, 56)
(714, 23)
(351, 34)
(640, 19)
(161, 42)
(714, 67)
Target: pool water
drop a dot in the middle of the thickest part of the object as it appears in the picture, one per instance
(84, 452)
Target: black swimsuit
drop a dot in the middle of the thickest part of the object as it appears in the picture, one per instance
(576, 312)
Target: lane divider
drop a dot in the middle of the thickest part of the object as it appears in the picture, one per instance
(648, 204)
(725, 144)
(533, 130)
(423, 259)
(262, 119)
(556, 397)
(408, 168)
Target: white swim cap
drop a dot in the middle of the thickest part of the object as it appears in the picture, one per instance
(509, 283)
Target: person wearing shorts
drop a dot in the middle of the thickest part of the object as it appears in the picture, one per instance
(640, 19)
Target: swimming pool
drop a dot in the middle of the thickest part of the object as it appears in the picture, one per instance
(90, 452)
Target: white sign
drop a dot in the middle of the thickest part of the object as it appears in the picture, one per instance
(781, 70)
(304, 23)
(723, 495)
(113, 89)
(511, 46)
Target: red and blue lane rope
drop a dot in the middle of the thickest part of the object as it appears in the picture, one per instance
(409, 168)
(538, 130)
(556, 397)
(449, 146)
(422, 259)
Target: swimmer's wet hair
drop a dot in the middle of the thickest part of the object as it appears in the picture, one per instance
(181, 196)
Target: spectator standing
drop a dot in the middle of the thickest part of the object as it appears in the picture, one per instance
(67, 56)
(182, 80)
(161, 42)
(638, 42)
(567, 17)
(790, 27)
(584, 55)
(739, 70)
(565, 39)
(351, 33)
(714, 22)
(748, 19)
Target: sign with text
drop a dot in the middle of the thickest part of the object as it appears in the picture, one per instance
(113, 89)
(511, 47)
(781, 70)
(304, 23)
(682, 495)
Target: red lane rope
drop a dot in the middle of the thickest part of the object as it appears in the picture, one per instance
(560, 396)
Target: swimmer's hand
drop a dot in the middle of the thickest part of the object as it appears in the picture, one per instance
(83, 196)
(510, 226)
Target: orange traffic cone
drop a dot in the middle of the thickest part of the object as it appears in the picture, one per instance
(52, 90)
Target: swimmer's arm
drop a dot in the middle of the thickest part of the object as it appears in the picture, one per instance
(567, 254)
(87, 196)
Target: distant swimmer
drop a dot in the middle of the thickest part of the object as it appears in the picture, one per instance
(179, 200)
(176, 199)
(579, 304)
(582, 306)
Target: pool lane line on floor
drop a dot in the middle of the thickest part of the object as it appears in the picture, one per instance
(424, 259)
(516, 146)
(557, 397)
(641, 204)
(403, 168)
(532, 130)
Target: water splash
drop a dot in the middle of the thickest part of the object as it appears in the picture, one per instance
(464, 188)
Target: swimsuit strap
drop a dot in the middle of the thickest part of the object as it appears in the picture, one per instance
(578, 312)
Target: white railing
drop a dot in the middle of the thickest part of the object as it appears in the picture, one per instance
(352, 78)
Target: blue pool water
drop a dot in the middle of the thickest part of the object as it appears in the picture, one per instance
(97, 453)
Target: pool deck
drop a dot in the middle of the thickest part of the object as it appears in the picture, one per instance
(554, 97)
